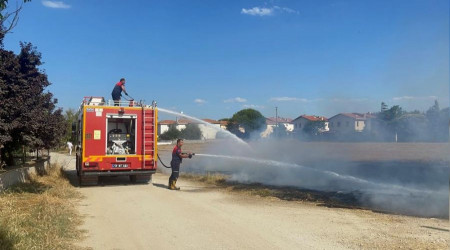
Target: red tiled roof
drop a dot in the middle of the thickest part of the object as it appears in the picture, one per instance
(313, 118)
(166, 122)
(211, 121)
(184, 121)
(357, 116)
(270, 122)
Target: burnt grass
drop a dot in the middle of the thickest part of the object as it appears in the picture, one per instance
(423, 166)
(327, 199)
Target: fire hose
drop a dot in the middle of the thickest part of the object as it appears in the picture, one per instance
(159, 158)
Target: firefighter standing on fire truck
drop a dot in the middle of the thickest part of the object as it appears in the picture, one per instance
(177, 158)
(117, 91)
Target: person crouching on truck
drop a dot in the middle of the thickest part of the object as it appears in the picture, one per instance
(117, 91)
(177, 158)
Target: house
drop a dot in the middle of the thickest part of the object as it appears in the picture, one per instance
(286, 122)
(271, 123)
(223, 124)
(209, 132)
(163, 126)
(182, 123)
(350, 122)
(300, 122)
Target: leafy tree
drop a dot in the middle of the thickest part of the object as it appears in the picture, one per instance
(70, 116)
(28, 115)
(280, 131)
(412, 127)
(390, 119)
(251, 120)
(172, 134)
(191, 132)
(384, 107)
(313, 128)
(438, 122)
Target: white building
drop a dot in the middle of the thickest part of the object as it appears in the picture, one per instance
(208, 131)
(300, 122)
(271, 123)
(350, 122)
(163, 126)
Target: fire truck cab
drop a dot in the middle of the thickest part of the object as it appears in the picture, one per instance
(114, 139)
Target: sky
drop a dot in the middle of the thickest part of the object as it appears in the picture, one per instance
(211, 59)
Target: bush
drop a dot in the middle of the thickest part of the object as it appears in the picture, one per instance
(172, 134)
(191, 132)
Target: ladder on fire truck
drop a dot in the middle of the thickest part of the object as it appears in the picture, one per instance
(148, 135)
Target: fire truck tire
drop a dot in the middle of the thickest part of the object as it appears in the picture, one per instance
(76, 165)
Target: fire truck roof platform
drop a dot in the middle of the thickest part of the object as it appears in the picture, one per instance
(100, 101)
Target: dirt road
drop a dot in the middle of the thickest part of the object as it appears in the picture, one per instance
(124, 216)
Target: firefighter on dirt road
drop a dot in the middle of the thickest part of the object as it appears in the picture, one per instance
(117, 91)
(177, 158)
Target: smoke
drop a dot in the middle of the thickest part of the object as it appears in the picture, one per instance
(409, 179)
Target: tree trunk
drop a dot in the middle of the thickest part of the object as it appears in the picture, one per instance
(24, 155)
(8, 155)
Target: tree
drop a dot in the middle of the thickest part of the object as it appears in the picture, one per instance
(313, 128)
(384, 107)
(28, 116)
(249, 119)
(390, 119)
(191, 132)
(172, 134)
(412, 127)
(8, 20)
(280, 131)
(70, 116)
(438, 122)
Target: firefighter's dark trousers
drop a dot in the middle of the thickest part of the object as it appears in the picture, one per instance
(175, 171)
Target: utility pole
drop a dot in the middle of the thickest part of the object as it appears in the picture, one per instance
(276, 121)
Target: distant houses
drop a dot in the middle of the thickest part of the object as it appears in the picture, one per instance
(350, 122)
(180, 124)
(300, 122)
(164, 125)
(339, 124)
(271, 124)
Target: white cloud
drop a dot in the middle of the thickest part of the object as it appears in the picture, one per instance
(253, 106)
(285, 9)
(56, 4)
(264, 11)
(288, 99)
(236, 99)
(199, 101)
(349, 99)
(257, 11)
(411, 98)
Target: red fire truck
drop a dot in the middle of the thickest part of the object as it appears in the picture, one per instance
(115, 139)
